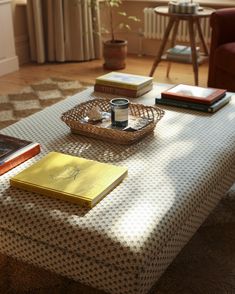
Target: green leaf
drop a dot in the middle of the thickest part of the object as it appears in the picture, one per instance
(134, 18)
(122, 13)
(112, 6)
(113, 3)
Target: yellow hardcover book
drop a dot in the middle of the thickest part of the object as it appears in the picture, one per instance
(124, 80)
(70, 178)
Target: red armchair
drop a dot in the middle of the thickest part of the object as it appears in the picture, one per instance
(222, 50)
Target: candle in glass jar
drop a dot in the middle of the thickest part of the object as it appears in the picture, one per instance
(119, 112)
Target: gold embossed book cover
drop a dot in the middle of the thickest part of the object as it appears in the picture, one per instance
(70, 178)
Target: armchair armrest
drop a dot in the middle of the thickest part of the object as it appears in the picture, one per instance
(222, 23)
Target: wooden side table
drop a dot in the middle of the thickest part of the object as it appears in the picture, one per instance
(193, 21)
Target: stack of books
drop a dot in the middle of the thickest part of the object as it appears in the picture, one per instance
(194, 97)
(124, 84)
(181, 53)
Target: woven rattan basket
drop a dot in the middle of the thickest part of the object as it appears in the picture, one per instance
(74, 119)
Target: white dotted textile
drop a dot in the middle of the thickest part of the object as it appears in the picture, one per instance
(175, 177)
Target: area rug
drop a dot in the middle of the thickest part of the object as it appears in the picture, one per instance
(33, 98)
(206, 265)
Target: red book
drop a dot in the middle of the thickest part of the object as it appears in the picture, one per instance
(14, 151)
(194, 94)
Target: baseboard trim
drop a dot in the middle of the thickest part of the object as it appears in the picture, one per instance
(8, 65)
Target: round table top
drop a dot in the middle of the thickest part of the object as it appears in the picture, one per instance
(202, 12)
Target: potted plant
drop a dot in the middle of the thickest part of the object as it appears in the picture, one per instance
(115, 50)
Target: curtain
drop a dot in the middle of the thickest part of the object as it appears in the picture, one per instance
(63, 30)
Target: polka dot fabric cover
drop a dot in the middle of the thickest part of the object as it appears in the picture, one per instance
(176, 176)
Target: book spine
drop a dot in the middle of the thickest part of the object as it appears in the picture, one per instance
(122, 85)
(195, 106)
(122, 92)
(223, 101)
(115, 90)
(19, 159)
(196, 100)
(183, 104)
(50, 193)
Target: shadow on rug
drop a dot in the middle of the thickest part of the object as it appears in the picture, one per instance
(33, 98)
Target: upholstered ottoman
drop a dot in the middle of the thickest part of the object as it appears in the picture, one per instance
(176, 176)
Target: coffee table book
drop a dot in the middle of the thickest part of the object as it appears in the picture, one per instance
(123, 92)
(14, 151)
(70, 178)
(124, 80)
(194, 94)
(195, 106)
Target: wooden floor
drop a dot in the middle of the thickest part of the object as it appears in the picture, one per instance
(88, 71)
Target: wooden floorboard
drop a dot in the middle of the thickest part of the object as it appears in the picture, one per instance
(88, 71)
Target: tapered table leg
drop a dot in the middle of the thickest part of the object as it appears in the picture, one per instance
(193, 21)
(193, 49)
(175, 30)
(201, 36)
(163, 44)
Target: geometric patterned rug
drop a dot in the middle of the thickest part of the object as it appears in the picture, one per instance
(33, 98)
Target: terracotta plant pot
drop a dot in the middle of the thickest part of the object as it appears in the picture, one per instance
(114, 53)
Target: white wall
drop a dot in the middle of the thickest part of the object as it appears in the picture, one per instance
(8, 58)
